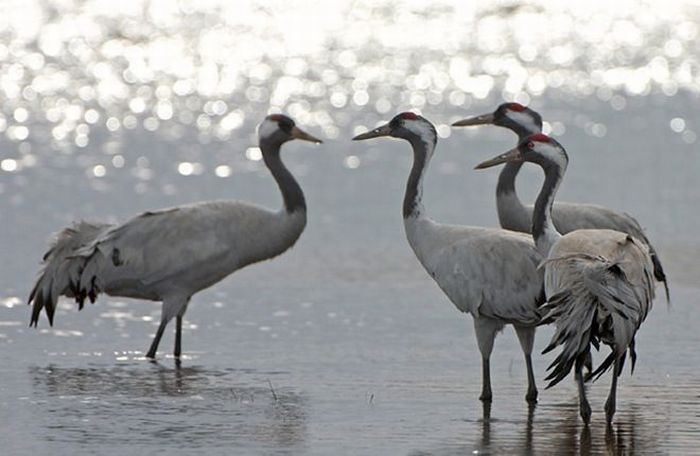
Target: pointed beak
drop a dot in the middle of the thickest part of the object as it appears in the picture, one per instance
(298, 133)
(384, 130)
(510, 156)
(483, 119)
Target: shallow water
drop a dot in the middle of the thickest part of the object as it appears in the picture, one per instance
(343, 345)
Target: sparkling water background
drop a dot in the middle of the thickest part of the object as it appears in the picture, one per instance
(343, 345)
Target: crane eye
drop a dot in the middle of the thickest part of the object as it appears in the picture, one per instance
(531, 145)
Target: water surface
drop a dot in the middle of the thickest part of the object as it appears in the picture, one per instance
(343, 345)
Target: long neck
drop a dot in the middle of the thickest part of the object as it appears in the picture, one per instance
(511, 211)
(543, 230)
(412, 201)
(291, 191)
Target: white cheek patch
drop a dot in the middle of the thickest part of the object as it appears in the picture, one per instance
(553, 153)
(524, 120)
(422, 129)
(267, 128)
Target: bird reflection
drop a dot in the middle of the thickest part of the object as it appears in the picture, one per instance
(557, 430)
(526, 445)
(628, 435)
(486, 424)
(185, 407)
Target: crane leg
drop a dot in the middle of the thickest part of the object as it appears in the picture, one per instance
(178, 331)
(156, 340)
(610, 403)
(486, 394)
(178, 339)
(584, 406)
(526, 335)
(485, 335)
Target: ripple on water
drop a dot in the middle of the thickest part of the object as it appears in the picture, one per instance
(130, 405)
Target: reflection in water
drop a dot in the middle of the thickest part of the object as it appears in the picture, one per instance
(627, 435)
(159, 99)
(524, 446)
(178, 408)
(559, 430)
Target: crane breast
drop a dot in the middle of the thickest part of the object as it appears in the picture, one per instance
(488, 273)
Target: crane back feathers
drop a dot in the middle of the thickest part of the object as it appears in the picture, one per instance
(569, 217)
(170, 253)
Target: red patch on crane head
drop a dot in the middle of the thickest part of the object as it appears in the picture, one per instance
(537, 137)
(540, 137)
(275, 117)
(517, 107)
(409, 116)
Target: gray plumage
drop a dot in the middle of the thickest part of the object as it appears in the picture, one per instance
(567, 217)
(598, 282)
(171, 254)
(600, 286)
(489, 273)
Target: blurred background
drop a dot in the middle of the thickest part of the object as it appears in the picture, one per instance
(109, 109)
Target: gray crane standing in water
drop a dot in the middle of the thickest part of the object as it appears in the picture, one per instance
(488, 272)
(171, 254)
(516, 216)
(598, 282)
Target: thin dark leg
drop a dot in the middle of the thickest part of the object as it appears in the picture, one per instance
(610, 403)
(178, 339)
(486, 381)
(156, 340)
(531, 395)
(584, 406)
(526, 335)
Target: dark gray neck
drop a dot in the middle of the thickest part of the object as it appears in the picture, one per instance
(412, 201)
(291, 191)
(521, 131)
(506, 179)
(543, 230)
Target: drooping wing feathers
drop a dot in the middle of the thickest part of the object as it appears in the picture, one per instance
(61, 271)
(604, 289)
(574, 318)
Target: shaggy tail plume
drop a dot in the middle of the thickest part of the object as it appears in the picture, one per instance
(62, 270)
(602, 306)
(575, 316)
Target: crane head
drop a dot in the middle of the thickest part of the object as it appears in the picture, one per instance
(514, 116)
(406, 125)
(280, 129)
(538, 148)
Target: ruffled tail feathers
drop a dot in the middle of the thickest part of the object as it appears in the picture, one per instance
(605, 306)
(62, 272)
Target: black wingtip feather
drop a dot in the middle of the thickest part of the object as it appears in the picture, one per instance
(660, 275)
(49, 311)
(38, 299)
